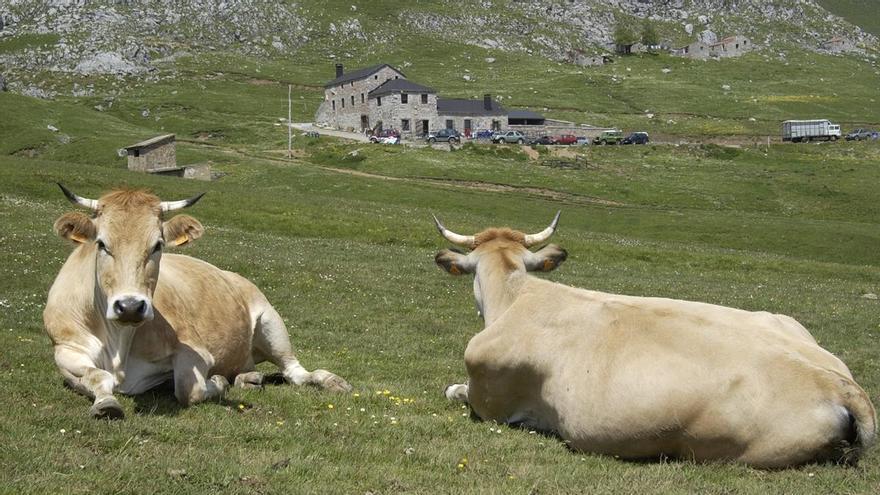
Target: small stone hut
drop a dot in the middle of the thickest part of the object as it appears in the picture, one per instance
(153, 155)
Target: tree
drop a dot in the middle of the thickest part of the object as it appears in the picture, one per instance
(624, 37)
(650, 38)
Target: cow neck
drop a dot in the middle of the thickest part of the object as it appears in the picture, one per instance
(498, 289)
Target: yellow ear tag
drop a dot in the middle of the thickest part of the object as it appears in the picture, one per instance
(548, 265)
(78, 238)
(181, 239)
(454, 270)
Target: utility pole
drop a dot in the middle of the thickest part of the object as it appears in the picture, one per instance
(289, 124)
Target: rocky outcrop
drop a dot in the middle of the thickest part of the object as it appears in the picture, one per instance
(147, 37)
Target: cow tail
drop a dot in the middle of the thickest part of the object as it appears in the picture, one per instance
(861, 429)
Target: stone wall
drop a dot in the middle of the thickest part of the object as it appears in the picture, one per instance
(158, 156)
(478, 123)
(392, 112)
(535, 131)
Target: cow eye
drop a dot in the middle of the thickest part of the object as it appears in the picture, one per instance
(102, 246)
(158, 247)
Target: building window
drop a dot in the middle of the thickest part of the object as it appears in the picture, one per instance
(342, 100)
(424, 98)
(450, 124)
(333, 102)
(467, 124)
(362, 97)
(404, 125)
(496, 125)
(378, 101)
(376, 77)
(404, 98)
(352, 100)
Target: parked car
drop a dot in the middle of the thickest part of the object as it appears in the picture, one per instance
(609, 137)
(567, 139)
(860, 135)
(545, 140)
(444, 136)
(508, 137)
(583, 141)
(484, 134)
(636, 138)
(384, 133)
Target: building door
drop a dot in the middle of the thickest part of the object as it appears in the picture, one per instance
(425, 127)
(365, 122)
(468, 128)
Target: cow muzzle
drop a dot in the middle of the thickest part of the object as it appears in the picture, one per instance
(130, 309)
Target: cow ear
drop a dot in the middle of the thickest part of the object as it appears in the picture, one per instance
(76, 227)
(545, 259)
(454, 262)
(181, 229)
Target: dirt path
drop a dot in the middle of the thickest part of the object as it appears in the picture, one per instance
(538, 192)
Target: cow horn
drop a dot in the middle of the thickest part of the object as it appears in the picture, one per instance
(183, 203)
(78, 200)
(461, 240)
(532, 239)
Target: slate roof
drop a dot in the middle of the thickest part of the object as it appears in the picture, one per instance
(524, 114)
(400, 86)
(150, 141)
(357, 74)
(456, 106)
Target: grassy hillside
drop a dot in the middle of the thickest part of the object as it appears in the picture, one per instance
(862, 13)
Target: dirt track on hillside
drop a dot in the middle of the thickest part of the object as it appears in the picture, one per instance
(537, 192)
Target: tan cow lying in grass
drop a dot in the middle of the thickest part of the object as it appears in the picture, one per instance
(640, 377)
(120, 323)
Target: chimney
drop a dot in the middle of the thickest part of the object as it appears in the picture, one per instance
(338, 70)
(487, 102)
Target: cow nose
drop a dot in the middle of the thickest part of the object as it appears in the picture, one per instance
(130, 309)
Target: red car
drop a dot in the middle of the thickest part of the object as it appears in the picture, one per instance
(566, 139)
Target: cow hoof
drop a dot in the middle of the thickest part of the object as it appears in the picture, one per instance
(331, 382)
(457, 392)
(107, 408)
(220, 382)
(252, 380)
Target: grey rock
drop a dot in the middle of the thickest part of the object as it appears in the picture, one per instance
(107, 63)
(708, 36)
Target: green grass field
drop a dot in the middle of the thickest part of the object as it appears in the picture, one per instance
(348, 261)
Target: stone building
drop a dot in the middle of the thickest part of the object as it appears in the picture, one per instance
(403, 105)
(731, 46)
(346, 102)
(382, 97)
(838, 44)
(153, 155)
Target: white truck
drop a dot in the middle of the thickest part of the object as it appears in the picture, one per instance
(808, 130)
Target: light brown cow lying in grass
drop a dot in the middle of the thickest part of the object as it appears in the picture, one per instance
(120, 323)
(640, 377)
